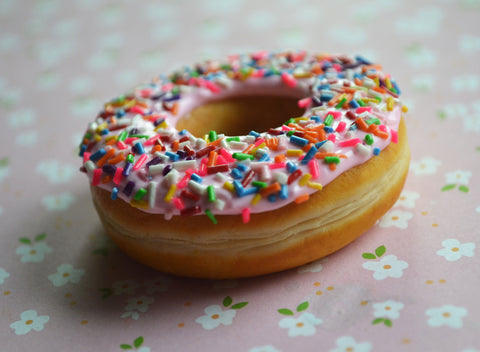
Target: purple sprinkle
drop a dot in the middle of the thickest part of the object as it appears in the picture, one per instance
(172, 98)
(127, 169)
(133, 131)
(109, 169)
(154, 161)
(129, 188)
(181, 154)
(158, 122)
(166, 170)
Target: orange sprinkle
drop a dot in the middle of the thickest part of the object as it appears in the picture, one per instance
(372, 128)
(370, 67)
(175, 109)
(302, 198)
(156, 148)
(175, 146)
(332, 166)
(361, 124)
(216, 142)
(120, 157)
(358, 82)
(280, 158)
(212, 158)
(104, 158)
(106, 179)
(111, 141)
(248, 149)
(379, 89)
(335, 99)
(322, 155)
(381, 134)
(273, 188)
(141, 103)
(272, 143)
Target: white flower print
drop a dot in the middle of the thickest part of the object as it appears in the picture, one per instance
(465, 83)
(26, 138)
(127, 287)
(388, 309)
(469, 44)
(65, 274)
(455, 110)
(214, 316)
(22, 118)
(33, 253)
(458, 177)
(55, 171)
(58, 202)
(407, 199)
(425, 166)
(453, 250)
(267, 348)
(421, 57)
(425, 22)
(135, 305)
(348, 343)
(159, 284)
(304, 325)
(471, 123)
(3, 169)
(388, 266)
(3, 275)
(424, 83)
(313, 267)
(397, 218)
(448, 315)
(29, 320)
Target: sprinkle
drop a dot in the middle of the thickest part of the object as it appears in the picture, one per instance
(98, 155)
(279, 165)
(363, 149)
(315, 185)
(288, 80)
(349, 143)
(140, 162)
(212, 136)
(178, 203)
(404, 108)
(273, 188)
(170, 193)
(129, 188)
(313, 167)
(394, 136)
(211, 216)
(97, 173)
(242, 156)
(302, 142)
(332, 160)
(376, 151)
(114, 194)
(256, 199)
(118, 176)
(211, 193)
(140, 193)
(283, 192)
(309, 156)
(294, 176)
(246, 215)
(369, 139)
(152, 193)
(191, 211)
(302, 198)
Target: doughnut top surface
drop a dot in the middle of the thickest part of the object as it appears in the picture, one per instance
(134, 150)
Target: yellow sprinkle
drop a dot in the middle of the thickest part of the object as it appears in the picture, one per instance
(229, 186)
(301, 118)
(294, 152)
(404, 108)
(302, 75)
(377, 81)
(388, 83)
(369, 100)
(109, 138)
(256, 199)
(129, 104)
(101, 127)
(162, 125)
(142, 204)
(97, 138)
(304, 179)
(390, 103)
(254, 150)
(315, 185)
(171, 192)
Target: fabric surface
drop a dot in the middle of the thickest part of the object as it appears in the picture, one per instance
(408, 284)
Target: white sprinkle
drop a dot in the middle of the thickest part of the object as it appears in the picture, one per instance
(219, 204)
(238, 145)
(89, 166)
(152, 193)
(326, 147)
(184, 165)
(363, 149)
(280, 177)
(172, 177)
(221, 177)
(155, 169)
(197, 188)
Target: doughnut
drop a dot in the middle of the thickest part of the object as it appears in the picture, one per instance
(249, 165)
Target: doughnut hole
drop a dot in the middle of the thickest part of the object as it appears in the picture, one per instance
(238, 116)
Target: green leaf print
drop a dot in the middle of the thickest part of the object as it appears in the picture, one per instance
(463, 188)
(40, 237)
(388, 322)
(3, 162)
(380, 251)
(25, 240)
(227, 301)
(448, 187)
(377, 321)
(302, 306)
(125, 346)
(285, 311)
(138, 342)
(239, 305)
(369, 256)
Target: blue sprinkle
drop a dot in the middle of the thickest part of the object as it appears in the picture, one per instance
(264, 157)
(98, 155)
(255, 134)
(319, 144)
(127, 169)
(120, 113)
(238, 188)
(376, 151)
(196, 178)
(183, 132)
(353, 127)
(394, 84)
(105, 131)
(291, 167)
(248, 191)
(83, 149)
(302, 142)
(326, 96)
(362, 60)
(310, 154)
(315, 118)
(114, 193)
(283, 192)
(328, 129)
(353, 103)
(323, 86)
(237, 174)
(172, 156)
(242, 167)
(138, 147)
(272, 198)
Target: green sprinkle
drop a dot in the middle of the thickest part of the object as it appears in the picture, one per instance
(259, 184)
(130, 158)
(291, 133)
(120, 99)
(328, 120)
(211, 216)
(233, 139)
(212, 136)
(378, 99)
(88, 135)
(369, 139)
(340, 103)
(139, 136)
(332, 160)
(291, 120)
(211, 193)
(194, 74)
(122, 136)
(175, 90)
(242, 156)
(375, 121)
(139, 195)
(361, 103)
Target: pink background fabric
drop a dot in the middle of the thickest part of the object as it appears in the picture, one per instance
(65, 286)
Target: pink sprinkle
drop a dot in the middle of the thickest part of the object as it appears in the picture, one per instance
(151, 141)
(259, 55)
(335, 114)
(145, 93)
(304, 103)
(246, 215)
(183, 182)
(363, 109)
(286, 128)
(289, 80)
(221, 160)
(382, 128)
(86, 157)
(332, 137)
(167, 87)
(313, 166)
(192, 81)
(140, 162)
(178, 203)
(202, 171)
(136, 110)
(258, 73)
(279, 165)
(341, 126)
(337, 67)
(97, 173)
(260, 141)
(349, 143)
(212, 86)
(130, 140)
(121, 145)
(117, 178)
(394, 135)
(226, 154)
